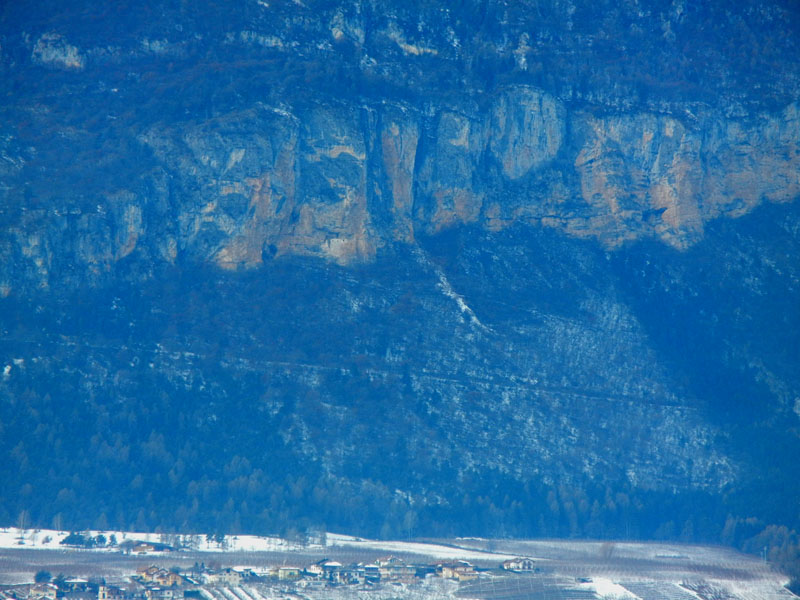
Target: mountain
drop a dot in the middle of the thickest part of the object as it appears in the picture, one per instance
(502, 268)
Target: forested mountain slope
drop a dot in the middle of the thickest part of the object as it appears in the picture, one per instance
(521, 268)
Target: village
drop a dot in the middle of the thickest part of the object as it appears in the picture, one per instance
(201, 582)
(118, 565)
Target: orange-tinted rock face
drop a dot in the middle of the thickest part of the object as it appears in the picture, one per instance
(340, 182)
(646, 176)
(640, 177)
(449, 191)
(335, 130)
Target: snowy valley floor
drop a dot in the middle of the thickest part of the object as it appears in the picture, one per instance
(566, 570)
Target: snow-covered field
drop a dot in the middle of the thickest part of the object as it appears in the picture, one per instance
(648, 571)
(435, 551)
(11, 537)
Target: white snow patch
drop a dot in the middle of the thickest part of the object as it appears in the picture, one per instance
(448, 290)
(607, 589)
(421, 548)
(235, 158)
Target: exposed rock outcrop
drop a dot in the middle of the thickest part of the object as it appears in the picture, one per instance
(335, 183)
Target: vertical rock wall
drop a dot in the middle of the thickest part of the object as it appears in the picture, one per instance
(341, 181)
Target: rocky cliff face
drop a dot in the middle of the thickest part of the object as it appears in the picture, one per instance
(244, 168)
(343, 181)
(495, 227)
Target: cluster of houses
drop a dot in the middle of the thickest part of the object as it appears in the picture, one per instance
(325, 571)
(156, 583)
(392, 569)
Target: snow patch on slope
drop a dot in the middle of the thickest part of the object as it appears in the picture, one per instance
(447, 288)
(421, 548)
